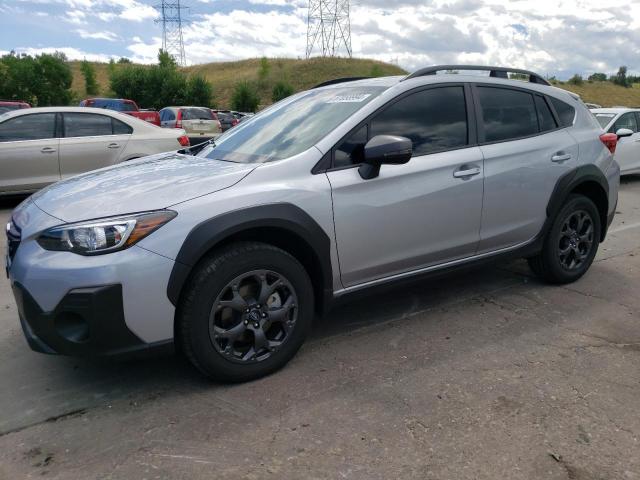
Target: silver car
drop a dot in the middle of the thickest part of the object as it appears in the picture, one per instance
(625, 123)
(230, 253)
(39, 146)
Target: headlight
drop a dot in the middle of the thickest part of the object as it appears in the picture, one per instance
(104, 235)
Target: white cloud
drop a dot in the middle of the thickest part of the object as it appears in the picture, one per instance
(104, 35)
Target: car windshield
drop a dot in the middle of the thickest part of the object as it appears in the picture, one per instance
(197, 114)
(291, 126)
(604, 118)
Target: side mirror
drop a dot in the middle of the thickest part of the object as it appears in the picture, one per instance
(624, 132)
(384, 149)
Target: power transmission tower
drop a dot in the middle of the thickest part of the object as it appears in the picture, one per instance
(328, 27)
(171, 20)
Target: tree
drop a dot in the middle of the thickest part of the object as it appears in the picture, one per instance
(42, 80)
(264, 69)
(89, 74)
(245, 97)
(124, 60)
(199, 91)
(281, 90)
(165, 60)
(576, 80)
(598, 77)
(620, 78)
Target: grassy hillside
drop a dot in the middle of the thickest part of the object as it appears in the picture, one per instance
(605, 93)
(303, 74)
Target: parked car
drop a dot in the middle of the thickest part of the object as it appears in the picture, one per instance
(8, 105)
(230, 253)
(125, 106)
(39, 146)
(623, 122)
(200, 123)
(226, 118)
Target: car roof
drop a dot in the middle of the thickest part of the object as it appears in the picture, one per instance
(614, 110)
(133, 121)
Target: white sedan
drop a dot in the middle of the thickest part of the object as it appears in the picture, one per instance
(39, 146)
(623, 122)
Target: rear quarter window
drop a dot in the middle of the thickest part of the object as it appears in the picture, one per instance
(565, 112)
(507, 114)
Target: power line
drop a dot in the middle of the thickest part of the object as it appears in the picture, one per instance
(171, 20)
(328, 27)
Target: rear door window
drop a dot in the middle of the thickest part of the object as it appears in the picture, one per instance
(546, 120)
(87, 125)
(507, 114)
(433, 119)
(120, 128)
(565, 112)
(37, 126)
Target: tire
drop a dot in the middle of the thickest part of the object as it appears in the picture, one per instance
(223, 329)
(576, 230)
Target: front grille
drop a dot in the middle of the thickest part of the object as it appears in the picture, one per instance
(14, 236)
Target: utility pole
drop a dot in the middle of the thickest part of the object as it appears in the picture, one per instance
(328, 27)
(171, 20)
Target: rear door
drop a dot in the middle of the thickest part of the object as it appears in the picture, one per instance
(526, 150)
(199, 124)
(91, 141)
(416, 215)
(28, 152)
(628, 149)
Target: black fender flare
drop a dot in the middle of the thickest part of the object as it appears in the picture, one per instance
(571, 181)
(283, 216)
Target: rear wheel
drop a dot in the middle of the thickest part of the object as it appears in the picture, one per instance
(571, 243)
(246, 312)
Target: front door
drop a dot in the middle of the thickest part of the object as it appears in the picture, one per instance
(28, 152)
(628, 149)
(416, 215)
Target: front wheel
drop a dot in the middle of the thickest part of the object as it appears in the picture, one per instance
(246, 312)
(571, 243)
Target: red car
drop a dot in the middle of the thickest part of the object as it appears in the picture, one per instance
(8, 105)
(125, 106)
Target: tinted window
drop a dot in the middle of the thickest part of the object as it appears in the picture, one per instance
(86, 125)
(507, 114)
(628, 120)
(545, 117)
(120, 128)
(28, 127)
(196, 114)
(434, 119)
(351, 150)
(565, 112)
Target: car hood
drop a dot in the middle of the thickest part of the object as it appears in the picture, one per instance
(150, 183)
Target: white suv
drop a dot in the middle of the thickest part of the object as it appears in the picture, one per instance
(229, 253)
(625, 123)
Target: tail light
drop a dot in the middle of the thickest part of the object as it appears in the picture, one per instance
(219, 125)
(184, 141)
(234, 122)
(179, 119)
(610, 141)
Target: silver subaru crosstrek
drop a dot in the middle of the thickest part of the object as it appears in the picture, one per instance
(229, 252)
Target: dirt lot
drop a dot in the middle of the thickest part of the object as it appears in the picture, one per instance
(488, 375)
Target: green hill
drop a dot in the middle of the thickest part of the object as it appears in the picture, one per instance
(302, 74)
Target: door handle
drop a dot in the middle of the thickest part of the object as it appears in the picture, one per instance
(561, 157)
(113, 145)
(467, 172)
(48, 150)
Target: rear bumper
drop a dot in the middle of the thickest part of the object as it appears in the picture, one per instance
(86, 322)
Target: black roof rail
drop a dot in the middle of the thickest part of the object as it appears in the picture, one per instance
(496, 72)
(339, 80)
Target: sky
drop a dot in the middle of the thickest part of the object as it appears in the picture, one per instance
(555, 37)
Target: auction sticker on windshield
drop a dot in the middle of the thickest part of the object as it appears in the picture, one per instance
(353, 98)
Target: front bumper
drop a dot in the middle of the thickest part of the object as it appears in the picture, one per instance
(86, 322)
